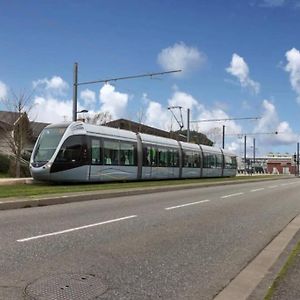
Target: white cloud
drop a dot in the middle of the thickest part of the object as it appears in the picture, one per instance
(3, 90)
(55, 85)
(112, 101)
(273, 3)
(270, 123)
(48, 106)
(158, 116)
(233, 147)
(51, 110)
(88, 97)
(239, 68)
(198, 112)
(182, 99)
(166, 120)
(293, 67)
(181, 57)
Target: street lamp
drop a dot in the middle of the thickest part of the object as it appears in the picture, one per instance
(81, 111)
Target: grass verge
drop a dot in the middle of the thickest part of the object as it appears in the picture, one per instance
(283, 271)
(3, 175)
(27, 190)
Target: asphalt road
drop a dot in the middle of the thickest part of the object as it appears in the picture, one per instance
(174, 245)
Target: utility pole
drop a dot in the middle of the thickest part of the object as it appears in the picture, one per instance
(254, 150)
(76, 83)
(297, 159)
(227, 119)
(188, 126)
(223, 137)
(245, 153)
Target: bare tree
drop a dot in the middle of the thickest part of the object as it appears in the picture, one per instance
(100, 118)
(141, 116)
(15, 125)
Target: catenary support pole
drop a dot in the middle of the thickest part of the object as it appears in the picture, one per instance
(254, 150)
(188, 126)
(298, 159)
(75, 85)
(223, 137)
(245, 153)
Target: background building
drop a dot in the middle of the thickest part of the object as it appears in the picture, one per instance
(195, 137)
(11, 124)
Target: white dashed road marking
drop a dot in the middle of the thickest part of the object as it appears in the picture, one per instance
(256, 190)
(272, 186)
(231, 195)
(74, 229)
(187, 204)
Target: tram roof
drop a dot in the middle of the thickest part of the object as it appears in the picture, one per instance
(153, 139)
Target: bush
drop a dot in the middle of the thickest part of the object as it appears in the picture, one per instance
(4, 163)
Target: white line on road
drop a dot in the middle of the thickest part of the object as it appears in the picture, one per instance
(256, 190)
(231, 195)
(290, 183)
(272, 186)
(187, 204)
(74, 229)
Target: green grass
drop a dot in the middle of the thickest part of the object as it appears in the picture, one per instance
(26, 190)
(3, 175)
(283, 271)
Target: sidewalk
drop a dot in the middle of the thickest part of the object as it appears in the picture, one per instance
(283, 279)
(287, 286)
(287, 283)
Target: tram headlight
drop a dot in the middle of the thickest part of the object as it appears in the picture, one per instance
(47, 165)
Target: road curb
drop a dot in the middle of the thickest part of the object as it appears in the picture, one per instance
(14, 203)
(13, 181)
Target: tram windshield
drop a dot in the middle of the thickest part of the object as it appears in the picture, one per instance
(47, 144)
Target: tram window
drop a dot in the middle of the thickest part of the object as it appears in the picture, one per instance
(96, 151)
(111, 152)
(219, 161)
(172, 158)
(205, 160)
(209, 160)
(197, 161)
(188, 159)
(149, 156)
(228, 162)
(191, 159)
(72, 150)
(175, 158)
(234, 162)
(162, 157)
(127, 154)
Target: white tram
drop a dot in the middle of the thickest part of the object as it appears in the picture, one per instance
(80, 152)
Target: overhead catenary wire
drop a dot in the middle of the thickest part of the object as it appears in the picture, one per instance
(227, 119)
(76, 83)
(128, 77)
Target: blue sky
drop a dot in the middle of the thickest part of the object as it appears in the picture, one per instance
(239, 59)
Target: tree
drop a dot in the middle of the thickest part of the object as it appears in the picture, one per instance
(100, 118)
(15, 126)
